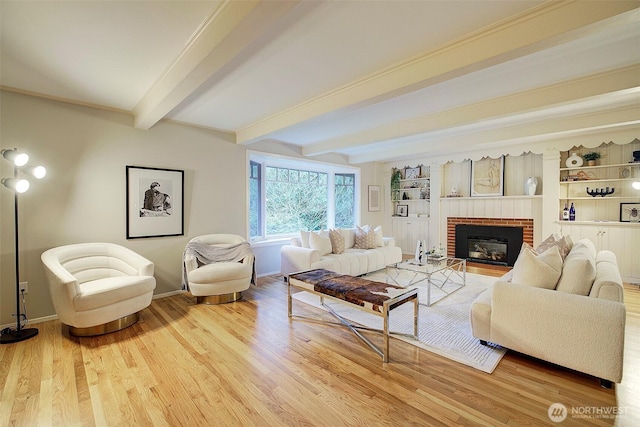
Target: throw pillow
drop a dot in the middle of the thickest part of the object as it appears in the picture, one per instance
(579, 269)
(304, 238)
(365, 238)
(349, 235)
(540, 271)
(320, 242)
(337, 241)
(378, 233)
(564, 244)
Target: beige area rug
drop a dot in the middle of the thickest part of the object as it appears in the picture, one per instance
(444, 327)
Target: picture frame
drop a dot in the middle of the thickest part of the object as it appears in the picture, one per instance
(411, 173)
(629, 212)
(155, 202)
(374, 198)
(402, 210)
(487, 177)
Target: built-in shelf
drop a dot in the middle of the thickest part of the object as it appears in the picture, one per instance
(492, 197)
(617, 165)
(604, 222)
(586, 181)
(597, 198)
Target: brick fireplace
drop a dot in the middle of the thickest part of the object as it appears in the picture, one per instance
(525, 224)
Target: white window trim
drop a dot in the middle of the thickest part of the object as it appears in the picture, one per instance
(268, 159)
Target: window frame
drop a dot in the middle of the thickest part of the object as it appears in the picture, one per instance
(274, 160)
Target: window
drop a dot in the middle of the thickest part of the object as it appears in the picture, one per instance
(255, 193)
(345, 196)
(289, 195)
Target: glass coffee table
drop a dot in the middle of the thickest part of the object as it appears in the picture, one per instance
(448, 274)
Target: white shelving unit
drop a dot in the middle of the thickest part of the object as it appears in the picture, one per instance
(619, 177)
(597, 217)
(415, 193)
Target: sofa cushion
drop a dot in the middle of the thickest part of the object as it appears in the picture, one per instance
(337, 241)
(378, 232)
(579, 269)
(538, 270)
(320, 242)
(564, 244)
(365, 238)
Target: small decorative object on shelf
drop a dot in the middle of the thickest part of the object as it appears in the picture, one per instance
(629, 212)
(574, 161)
(411, 173)
(600, 191)
(565, 212)
(530, 186)
(572, 213)
(402, 210)
(591, 157)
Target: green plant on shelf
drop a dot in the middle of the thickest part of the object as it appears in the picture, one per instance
(396, 175)
(593, 155)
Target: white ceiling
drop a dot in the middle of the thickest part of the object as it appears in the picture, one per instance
(369, 80)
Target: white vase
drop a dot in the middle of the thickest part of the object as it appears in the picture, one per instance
(574, 161)
(530, 186)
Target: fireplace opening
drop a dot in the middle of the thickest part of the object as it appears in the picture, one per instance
(481, 249)
(488, 243)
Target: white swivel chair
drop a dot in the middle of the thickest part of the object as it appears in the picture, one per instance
(98, 288)
(218, 282)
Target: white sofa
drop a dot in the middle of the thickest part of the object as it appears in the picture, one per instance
(301, 255)
(576, 321)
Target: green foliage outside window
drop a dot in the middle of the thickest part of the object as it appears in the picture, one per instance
(298, 200)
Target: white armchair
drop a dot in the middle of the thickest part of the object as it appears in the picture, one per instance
(98, 288)
(225, 275)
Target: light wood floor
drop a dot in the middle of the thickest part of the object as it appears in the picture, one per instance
(246, 363)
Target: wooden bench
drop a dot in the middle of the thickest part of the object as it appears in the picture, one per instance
(373, 297)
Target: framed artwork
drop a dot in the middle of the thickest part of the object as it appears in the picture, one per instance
(155, 202)
(629, 212)
(402, 210)
(374, 198)
(411, 173)
(487, 177)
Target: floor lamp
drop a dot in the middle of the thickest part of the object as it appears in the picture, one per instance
(18, 185)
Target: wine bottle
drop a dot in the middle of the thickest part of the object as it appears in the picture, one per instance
(565, 212)
(572, 213)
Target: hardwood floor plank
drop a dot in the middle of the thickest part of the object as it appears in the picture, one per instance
(247, 363)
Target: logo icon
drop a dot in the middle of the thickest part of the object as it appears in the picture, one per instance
(557, 412)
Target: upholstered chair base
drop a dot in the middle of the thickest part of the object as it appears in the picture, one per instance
(219, 299)
(105, 328)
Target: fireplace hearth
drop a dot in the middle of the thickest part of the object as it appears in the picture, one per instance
(488, 244)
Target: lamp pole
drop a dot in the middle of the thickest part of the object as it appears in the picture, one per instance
(20, 333)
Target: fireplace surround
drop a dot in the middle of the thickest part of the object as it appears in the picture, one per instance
(488, 243)
(494, 240)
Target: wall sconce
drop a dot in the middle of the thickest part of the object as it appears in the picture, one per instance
(636, 185)
(19, 185)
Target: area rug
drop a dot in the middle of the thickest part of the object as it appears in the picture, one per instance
(444, 327)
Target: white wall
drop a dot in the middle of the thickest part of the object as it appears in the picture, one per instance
(82, 199)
